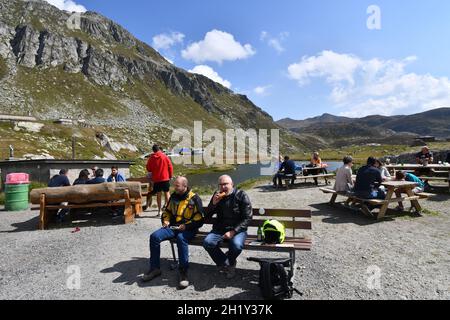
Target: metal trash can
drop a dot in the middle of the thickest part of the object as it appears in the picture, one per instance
(17, 188)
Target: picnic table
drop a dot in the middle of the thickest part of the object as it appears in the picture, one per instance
(406, 187)
(435, 172)
(391, 186)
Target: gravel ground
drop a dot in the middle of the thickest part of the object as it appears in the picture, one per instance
(411, 255)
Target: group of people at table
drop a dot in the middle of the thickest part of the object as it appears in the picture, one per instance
(370, 178)
(288, 168)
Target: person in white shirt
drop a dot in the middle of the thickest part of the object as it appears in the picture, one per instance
(344, 180)
(385, 175)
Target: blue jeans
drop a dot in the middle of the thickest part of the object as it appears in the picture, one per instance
(235, 247)
(164, 234)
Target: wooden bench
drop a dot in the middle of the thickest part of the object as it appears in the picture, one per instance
(50, 200)
(364, 203)
(290, 218)
(146, 190)
(289, 178)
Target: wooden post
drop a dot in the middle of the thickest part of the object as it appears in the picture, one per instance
(385, 206)
(42, 213)
(128, 213)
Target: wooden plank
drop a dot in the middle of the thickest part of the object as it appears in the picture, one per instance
(328, 190)
(128, 213)
(299, 225)
(297, 213)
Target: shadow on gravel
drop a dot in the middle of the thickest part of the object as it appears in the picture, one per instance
(26, 226)
(80, 220)
(441, 195)
(340, 214)
(201, 276)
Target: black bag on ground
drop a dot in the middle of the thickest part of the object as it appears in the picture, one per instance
(274, 281)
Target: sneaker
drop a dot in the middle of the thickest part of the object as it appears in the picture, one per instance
(151, 275)
(184, 282)
(399, 209)
(231, 272)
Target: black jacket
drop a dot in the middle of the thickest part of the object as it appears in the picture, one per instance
(234, 212)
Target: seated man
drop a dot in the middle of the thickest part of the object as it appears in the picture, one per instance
(344, 180)
(98, 177)
(286, 168)
(234, 212)
(424, 156)
(60, 180)
(368, 181)
(185, 211)
(115, 175)
(404, 176)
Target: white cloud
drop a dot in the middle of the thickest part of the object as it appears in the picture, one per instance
(166, 40)
(67, 5)
(217, 46)
(211, 74)
(262, 90)
(274, 42)
(364, 87)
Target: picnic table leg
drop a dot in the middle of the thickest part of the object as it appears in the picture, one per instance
(414, 203)
(292, 256)
(385, 205)
(128, 213)
(333, 199)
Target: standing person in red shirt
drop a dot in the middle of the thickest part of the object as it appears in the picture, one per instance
(161, 169)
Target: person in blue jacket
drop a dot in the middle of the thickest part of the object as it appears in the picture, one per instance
(115, 175)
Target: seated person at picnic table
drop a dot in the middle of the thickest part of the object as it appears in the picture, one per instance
(60, 180)
(316, 162)
(83, 177)
(234, 212)
(98, 177)
(424, 156)
(115, 175)
(385, 174)
(185, 211)
(344, 180)
(405, 176)
(286, 168)
(368, 181)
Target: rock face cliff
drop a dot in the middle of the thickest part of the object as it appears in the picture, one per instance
(55, 64)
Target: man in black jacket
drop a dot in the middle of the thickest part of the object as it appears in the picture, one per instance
(234, 212)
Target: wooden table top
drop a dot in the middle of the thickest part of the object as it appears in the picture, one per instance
(417, 166)
(399, 184)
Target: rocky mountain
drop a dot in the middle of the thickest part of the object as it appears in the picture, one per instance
(392, 130)
(85, 67)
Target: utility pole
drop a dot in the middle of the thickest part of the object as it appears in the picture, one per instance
(73, 148)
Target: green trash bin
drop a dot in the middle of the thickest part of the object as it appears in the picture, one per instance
(16, 197)
(17, 192)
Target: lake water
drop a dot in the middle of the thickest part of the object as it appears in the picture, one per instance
(242, 173)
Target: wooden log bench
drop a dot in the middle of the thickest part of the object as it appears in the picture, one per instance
(50, 200)
(290, 181)
(364, 204)
(297, 222)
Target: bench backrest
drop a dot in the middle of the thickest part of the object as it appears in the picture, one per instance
(289, 217)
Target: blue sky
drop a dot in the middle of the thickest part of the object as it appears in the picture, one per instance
(300, 59)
